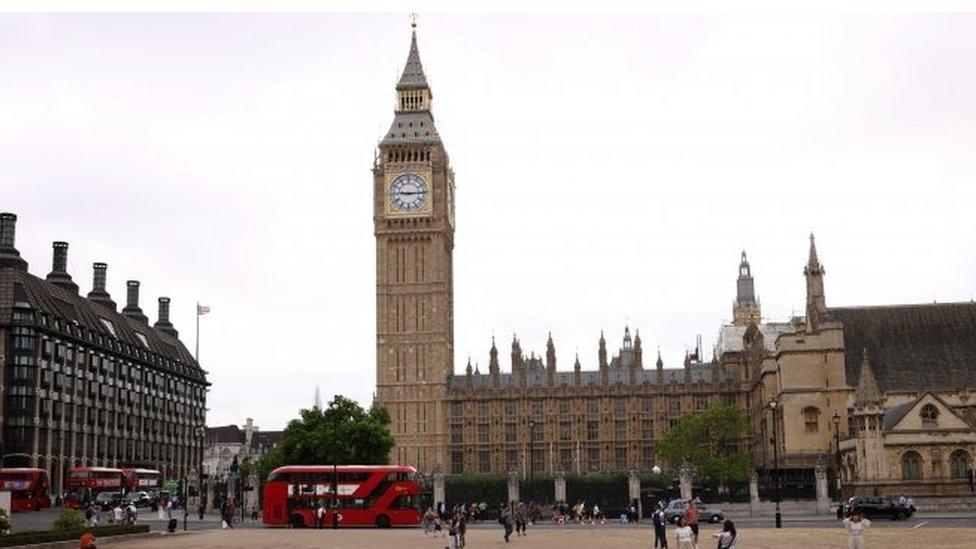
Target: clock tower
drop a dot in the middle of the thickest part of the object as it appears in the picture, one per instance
(413, 220)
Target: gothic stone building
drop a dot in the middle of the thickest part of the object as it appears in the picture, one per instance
(881, 396)
(536, 418)
(82, 384)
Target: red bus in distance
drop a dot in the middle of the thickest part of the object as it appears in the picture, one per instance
(147, 480)
(84, 483)
(368, 495)
(28, 488)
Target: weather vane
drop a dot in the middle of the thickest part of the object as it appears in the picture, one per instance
(413, 20)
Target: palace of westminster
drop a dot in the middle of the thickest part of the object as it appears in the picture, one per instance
(884, 396)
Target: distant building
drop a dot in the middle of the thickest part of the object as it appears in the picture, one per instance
(225, 443)
(83, 384)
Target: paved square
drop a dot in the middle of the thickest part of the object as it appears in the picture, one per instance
(557, 538)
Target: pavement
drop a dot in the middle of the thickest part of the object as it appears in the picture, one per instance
(567, 537)
(42, 520)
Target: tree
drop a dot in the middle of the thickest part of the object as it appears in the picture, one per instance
(710, 442)
(342, 433)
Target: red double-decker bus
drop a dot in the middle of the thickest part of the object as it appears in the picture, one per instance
(85, 483)
(367, 495)
(28, 488)
(149, 480)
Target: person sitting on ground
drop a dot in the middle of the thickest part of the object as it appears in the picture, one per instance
(727, 537)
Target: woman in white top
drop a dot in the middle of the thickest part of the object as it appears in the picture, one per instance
(727, 537)
(684, 533)
(857, 526)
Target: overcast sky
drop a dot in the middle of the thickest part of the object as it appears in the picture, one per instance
(610, 170)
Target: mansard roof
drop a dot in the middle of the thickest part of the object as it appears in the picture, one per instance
(45, 297)
(911, 347)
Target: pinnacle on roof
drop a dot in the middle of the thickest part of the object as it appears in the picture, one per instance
(660, 363)
(867, 388)
(413, 76)
(813, 263)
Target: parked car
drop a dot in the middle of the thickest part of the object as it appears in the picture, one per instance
(878, 507)
(139, 498)
(676, 510)
(108, 500)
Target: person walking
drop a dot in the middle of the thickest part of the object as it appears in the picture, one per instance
(454, 531)
(684, 535)
(727, 537)
(521, 518)
(429, 522)
(691, 519)
(505, 519)
(857, 526)
(660, 528)
(320, 515)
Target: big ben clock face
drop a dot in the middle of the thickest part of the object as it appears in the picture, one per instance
(408, 193)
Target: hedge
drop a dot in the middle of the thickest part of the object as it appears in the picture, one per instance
(491, 489)
(24, 538)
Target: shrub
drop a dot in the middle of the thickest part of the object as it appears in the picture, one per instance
(68, 520)
(4, 522)
(24, 538)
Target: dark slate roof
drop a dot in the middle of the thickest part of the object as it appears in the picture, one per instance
(411, 127)
(267, 438)
(413, 76)
(911, 347)
(45, 297)
(227, 434)
(894, 414)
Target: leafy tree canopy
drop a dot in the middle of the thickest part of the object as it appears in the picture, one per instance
(711, 442)
(342, 433)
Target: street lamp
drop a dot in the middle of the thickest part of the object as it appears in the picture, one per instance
(774, 407)
(836, 419)
(531, 447)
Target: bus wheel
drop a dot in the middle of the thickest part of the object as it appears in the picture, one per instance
(297, 521)
(382, 521)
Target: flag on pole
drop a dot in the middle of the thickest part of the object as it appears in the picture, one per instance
(202, 309)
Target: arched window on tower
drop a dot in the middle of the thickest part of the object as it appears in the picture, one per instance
(959, 465)
(811, 419)
(911, 466)
(929, 415)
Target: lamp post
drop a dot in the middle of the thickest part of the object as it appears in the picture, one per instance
(774, 407)
(836, 419)
(531, 447)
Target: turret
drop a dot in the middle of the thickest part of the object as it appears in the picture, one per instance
(577, 372)
(493, 368)
(550, 360)
(746, 307)
(660, 368)
(816, 300)
(602, 357)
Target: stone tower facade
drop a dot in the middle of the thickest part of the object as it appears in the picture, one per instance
(745, 310)
(413, 220)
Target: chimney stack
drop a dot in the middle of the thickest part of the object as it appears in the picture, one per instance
(132, 309)
(59, 270)
(163, 324)
(98, 293)
(9, 256)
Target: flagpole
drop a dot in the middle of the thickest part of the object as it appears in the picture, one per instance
(197, 356)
